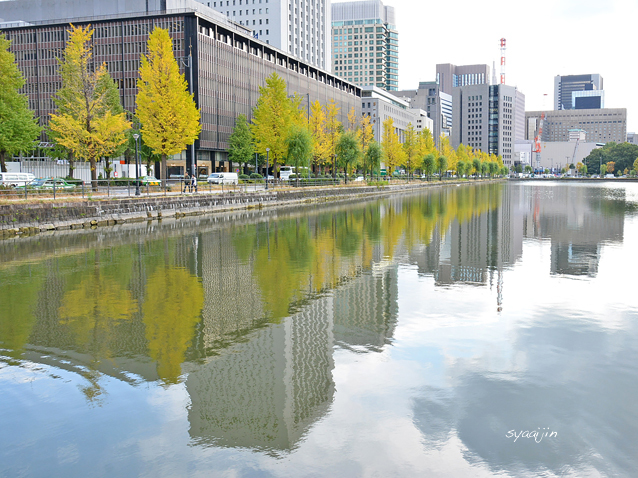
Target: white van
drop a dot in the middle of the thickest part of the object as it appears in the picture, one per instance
(223, 178)
(15, 179)
(285, 172)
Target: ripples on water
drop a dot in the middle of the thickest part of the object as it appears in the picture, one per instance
(417, 335)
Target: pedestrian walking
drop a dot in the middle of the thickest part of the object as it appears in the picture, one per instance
(187, 181)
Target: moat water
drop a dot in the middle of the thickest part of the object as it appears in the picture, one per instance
(477, 330)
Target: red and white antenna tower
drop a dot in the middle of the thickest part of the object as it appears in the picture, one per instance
(502, 61)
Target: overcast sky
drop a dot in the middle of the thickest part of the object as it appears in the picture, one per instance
(545, 38)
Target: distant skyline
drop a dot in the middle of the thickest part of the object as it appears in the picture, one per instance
(544, 39)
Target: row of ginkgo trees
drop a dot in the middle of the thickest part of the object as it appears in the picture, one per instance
(318, 140)
(90, 122)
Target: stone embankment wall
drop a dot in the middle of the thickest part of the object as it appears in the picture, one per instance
(30, 218)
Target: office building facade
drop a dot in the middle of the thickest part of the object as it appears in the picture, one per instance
(488, 118)
(451, 76)
(301, 28)
(365, 44)
(436, 103)
(229, 66)
(381, 105)
(600, 125)
(564, 86)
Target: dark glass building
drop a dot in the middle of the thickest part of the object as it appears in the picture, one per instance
(229, 66)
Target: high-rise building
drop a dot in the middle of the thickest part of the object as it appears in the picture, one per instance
(489, 118)
(450, 76)
(564, 86)
(365, 44)
(436, 103)
(300, 28)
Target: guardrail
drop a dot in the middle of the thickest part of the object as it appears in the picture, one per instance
(128, 187)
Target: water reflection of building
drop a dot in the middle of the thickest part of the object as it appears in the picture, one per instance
(366, 310)
(577, 220)
(231, 300)
(266, 392)
(469, 249)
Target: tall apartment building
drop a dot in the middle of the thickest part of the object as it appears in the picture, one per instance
(564, 86)
(365, 44)
(600, 125)
(436, 103)
(299, 27)
(489, 118)
(450, 76)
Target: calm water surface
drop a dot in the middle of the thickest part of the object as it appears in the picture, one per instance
(470, 331)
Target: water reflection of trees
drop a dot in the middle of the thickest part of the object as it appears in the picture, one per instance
(187, 296)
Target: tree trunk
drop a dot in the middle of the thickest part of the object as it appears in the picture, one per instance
(3, 165)
(163, 168)
(93, 174)
(71, 168)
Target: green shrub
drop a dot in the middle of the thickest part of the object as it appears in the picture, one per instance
(256, 176)
(244, 176)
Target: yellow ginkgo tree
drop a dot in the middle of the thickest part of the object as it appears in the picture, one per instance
(170, 119)
(87, 122)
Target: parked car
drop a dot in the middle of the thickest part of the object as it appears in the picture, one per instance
(149, 181)
(359, 178)
(15, 179)
(47, 183)
(223, 178)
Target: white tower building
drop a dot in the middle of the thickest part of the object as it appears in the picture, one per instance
(297, 27)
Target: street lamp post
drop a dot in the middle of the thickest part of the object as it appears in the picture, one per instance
(334, 167)
(267, 166)
(136, 137)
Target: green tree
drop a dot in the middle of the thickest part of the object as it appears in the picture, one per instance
(494, 168)
(299, 144)
(170, 119)
(18, 128)
(113, 104)
(371, 159)
(636, 165)
(85, 122)
(240, 143)
(274, 113)
(603, 170)
(442, 165)
(348, 151)
(476, 166)
(485, 168)
(461, 167)
(428, 164)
